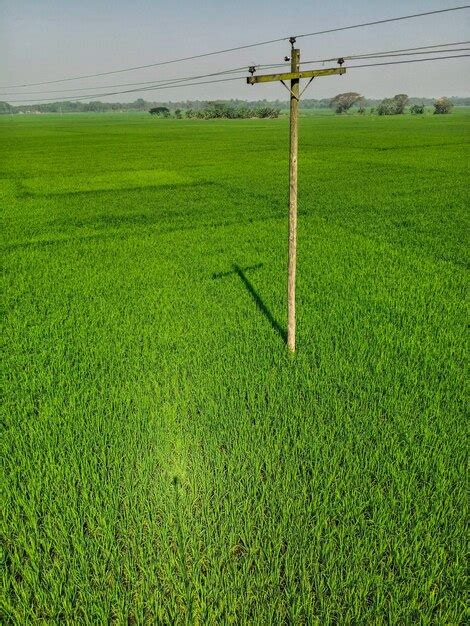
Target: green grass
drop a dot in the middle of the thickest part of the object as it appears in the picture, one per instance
(165, 460)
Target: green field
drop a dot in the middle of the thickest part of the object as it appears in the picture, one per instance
(165, 460)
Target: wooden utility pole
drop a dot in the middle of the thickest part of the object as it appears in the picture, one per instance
(294, 143)
(294, 76)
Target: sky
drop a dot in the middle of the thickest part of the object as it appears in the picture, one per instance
(43, 40)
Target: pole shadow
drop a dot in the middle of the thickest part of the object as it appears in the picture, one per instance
(259, 302)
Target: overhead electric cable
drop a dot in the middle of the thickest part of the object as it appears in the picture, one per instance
(238, 70)
(437, 45)
(458, 56)
(405, 54)
(378, 56)
(391, 19)
(244, 47)
(384, 53)
(221, 80)
(115, 93)
(242, 69)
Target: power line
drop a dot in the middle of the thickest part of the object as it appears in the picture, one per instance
(115, 93)
(405, 54)
(437, 45)
(458, 56)
(392, 19)
(243, 47)
(416, 50)
(237, 70)
(221, 80)
(382, 53)
(141, 67)
(379, 55)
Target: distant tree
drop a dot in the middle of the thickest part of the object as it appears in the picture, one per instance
(400, 101)
(178, 114)
(442, 106)
(393, 106)
(160, 111)
(417, 109)
(140, 104)
(266, 112)
(5, 107)
(386, 107)
(243, 112)
(95, 106)
(344, 101)
(216, 109)
(361, 110)
(231, 111)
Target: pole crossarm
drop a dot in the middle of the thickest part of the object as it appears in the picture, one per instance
(267, 78)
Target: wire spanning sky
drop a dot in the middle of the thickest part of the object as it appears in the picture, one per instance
(44, 40)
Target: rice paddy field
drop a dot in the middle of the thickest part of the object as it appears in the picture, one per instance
(165, 460)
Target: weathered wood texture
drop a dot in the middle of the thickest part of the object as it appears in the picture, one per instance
(267, 78)
(294, 123)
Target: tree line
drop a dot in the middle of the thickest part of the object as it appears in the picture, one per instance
(388, 106)
(341, 103)
(199, 105)
(218, 110)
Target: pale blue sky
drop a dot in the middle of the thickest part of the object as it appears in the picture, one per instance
(49, 39)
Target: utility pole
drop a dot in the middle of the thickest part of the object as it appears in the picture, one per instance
(293, 151)
(294, 76)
